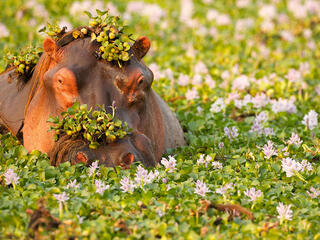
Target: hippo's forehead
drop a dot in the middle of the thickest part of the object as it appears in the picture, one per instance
(80, 57)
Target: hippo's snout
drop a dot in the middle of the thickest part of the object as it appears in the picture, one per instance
(133, 148)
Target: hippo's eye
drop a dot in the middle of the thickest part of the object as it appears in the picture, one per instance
(60, 80)
(140, 81)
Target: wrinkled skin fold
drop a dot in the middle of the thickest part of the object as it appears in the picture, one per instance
(70, 72)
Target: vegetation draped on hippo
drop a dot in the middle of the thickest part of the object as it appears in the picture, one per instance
(95, 126)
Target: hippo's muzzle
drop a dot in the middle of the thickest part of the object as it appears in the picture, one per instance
(132, 148)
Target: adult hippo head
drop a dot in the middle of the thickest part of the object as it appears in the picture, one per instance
(68, 72)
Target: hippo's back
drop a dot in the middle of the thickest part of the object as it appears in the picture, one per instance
(173, 132)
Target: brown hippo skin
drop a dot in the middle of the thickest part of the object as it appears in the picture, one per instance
(69, 72)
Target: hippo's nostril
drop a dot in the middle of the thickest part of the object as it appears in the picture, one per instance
(126, 160)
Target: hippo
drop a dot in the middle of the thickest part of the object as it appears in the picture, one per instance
(67, 72)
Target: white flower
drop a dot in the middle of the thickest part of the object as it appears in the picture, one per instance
(153, 11)
(201, 188)
(11, 177)
(209, 81)
(231, 133)
(241, 82)
(243, 3)
(244, 24)
(203, 160)
(268, 150)
(170, 164)
(313, 192)
(186, 12)
(80, 218)
(223, 190)
(290, 166)
(266, 26)
(62, 197)
(144, 177)
(160, 213)
(267, 11)
(284, 211)
(218, 106)
(306, 166)
(223, 20)
(294, 139)
(197, 79)
(127, 185)
(287, 36)
(101, 186)
(268, 131)
(294, 75)
(192, 94)
(217, 165)
(253, 194)
(310, 120)
(94, 166)
(283, 105)
(183, 79)
(201, 68)
(73, 184)
(260, 100)
(4, 32)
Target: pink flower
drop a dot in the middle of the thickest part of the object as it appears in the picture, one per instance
(313, 192)
(201, 188)
(253, 194)
(294, 139)
(170, 164)
(268, 150)
(311, 119)
(101, 187)
(127, 185)
(284, 211)
(11, 177)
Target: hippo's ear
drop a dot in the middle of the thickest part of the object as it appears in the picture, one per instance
(50, 46)
(141, 47)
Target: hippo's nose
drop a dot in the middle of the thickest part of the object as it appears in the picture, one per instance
(126, 159)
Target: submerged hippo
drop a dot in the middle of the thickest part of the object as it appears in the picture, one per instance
(68, 72)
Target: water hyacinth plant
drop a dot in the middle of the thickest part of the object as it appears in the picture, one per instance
(95, 126)
(23, 61)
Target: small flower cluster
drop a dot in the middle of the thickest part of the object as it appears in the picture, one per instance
(170, 164)
(142, 178)
(94, 169)
(295, 139)
(11, 177)
(253, 194)
(205, 160)
(218, 106)
(314, 193)
(101, 186)
(292, 167)
(269, 150)
(231, 133)
(284, 211)
(73, 184)
(223, 190)
(62, 197)
(258, 122)
(201, 188)
(310, 120)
